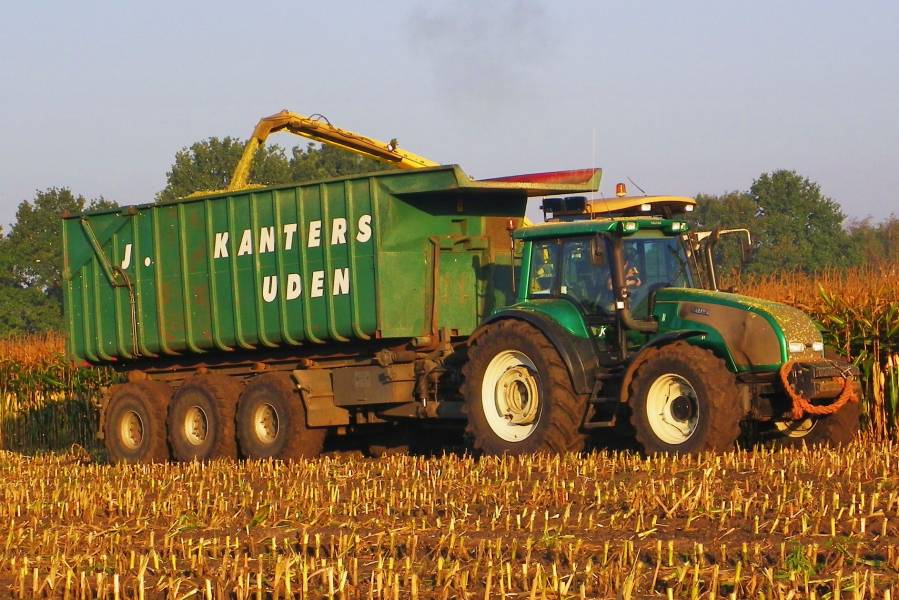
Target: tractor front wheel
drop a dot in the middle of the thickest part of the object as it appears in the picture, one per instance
(684, 400)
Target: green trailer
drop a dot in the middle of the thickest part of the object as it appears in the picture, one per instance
(251, 323)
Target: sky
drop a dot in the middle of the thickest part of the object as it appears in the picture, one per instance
(683, 97)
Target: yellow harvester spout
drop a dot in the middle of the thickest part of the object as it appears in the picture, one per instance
(319, 129)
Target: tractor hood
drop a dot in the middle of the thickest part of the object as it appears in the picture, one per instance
(755, 334)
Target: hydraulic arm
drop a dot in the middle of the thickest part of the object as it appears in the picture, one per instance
(319, 129)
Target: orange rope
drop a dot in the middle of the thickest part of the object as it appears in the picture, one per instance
(801, 405)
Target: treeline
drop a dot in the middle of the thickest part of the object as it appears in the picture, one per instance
(794, 227)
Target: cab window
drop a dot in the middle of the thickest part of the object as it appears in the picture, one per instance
(544, 263)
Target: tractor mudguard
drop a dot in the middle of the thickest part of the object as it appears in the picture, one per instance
(578, 354)
(657, 342)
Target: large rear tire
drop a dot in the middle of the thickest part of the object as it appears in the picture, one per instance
(518, 393)
(684, 400)
(271, 421)
(201, 418)
(134, 426)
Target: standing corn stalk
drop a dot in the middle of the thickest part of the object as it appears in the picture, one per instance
(45, 401)
(858, 311)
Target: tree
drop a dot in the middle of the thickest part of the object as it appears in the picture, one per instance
(876, 242)
(31, 261)
(731, 210)
(320, 162)
(208, 165)
(798, 228)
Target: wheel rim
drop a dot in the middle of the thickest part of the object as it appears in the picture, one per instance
(510, 396)
(266, 423)
(131, 430)
(672, 409)
(196, 426)
(795, 429)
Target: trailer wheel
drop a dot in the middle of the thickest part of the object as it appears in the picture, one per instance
(837, 429)
(201, 419)
(134, 427)
(271, 421)
(684, 400)
(518, 394)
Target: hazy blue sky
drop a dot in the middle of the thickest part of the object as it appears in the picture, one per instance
(685, 97)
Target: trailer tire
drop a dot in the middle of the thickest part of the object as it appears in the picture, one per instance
(201, 419)
(134, 423)
(706, 413)
(271, 421)
(511, 364)
(835, 430)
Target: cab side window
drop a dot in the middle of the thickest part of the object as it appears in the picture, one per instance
(586, 277)
(544, 268)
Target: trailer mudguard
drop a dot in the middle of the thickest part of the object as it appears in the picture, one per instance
(578, 353)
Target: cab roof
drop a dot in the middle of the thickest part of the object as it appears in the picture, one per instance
(621, 226)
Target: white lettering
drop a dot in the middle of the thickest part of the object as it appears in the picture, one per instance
(338, 231)
(126, 262)
(318, 284)
(364, 228)
(266, 240)
(221, 245)
(315, 232)
(246, 243)
(341, 282)
(294, 286)
(269, 287)
(289, 230)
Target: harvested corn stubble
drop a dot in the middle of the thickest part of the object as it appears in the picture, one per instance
(793, 523)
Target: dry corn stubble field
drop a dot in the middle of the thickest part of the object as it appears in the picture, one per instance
(765, 524)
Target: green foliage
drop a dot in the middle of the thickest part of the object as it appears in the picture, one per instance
(731, 210)
(876, 242)
(320, 162)
(31, 261)
(794, 226)
(208, 165)
(799, 228)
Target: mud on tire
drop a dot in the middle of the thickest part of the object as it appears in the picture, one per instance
(134, 424)
(511, 366)
(684, 400)
(271, 420)
(201, 418)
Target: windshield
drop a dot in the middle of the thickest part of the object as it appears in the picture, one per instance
(651, 264)
(579, 269)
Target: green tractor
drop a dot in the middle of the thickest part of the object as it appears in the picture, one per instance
(618, 306)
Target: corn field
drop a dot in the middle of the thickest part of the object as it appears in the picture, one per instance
(767, 524)
(45, 402)
(858, 310)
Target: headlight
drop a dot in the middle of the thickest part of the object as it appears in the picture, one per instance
(796, 347)
(818, 346)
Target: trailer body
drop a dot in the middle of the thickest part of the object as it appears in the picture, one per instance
(393, 255)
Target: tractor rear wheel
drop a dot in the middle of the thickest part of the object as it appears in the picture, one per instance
(271, 421)
(201, 418)
(518, 393)
(134, 424)
(684, 400)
